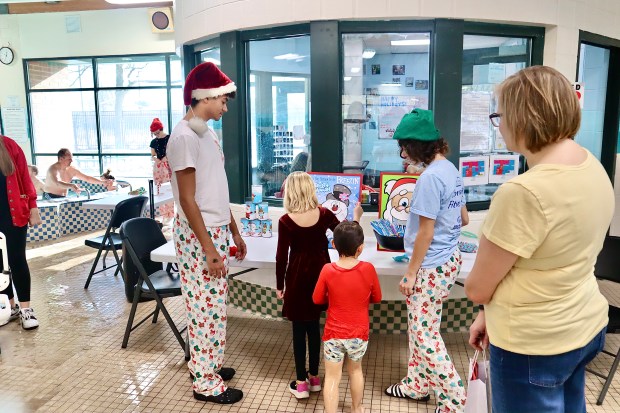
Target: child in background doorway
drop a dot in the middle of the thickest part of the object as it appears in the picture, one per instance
(302, 232)
(349, 286)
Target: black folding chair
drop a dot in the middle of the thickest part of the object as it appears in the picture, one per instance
(141, 236)
(111, 241)
(608, 268)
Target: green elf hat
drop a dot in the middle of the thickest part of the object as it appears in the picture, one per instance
(418, 125)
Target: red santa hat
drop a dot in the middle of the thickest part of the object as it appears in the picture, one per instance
(206, 81)
(156, 125)
(400, 186)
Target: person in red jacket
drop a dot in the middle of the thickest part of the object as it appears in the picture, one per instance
(348, 286)
(18, 208)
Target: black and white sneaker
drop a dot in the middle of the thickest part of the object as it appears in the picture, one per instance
(395, 390)
(29, 321)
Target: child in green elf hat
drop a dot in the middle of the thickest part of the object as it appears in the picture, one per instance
(433, 227)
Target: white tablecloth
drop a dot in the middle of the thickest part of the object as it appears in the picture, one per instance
(262, 254)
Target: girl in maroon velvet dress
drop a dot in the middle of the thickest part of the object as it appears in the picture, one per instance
(302, 231)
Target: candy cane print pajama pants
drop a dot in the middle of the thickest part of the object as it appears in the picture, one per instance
(430, 367)
(205, 301)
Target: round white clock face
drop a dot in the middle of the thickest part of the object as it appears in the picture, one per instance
(6, 55)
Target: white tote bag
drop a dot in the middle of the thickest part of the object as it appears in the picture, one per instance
(478, 385)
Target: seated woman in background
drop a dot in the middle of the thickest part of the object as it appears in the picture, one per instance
(38, 184)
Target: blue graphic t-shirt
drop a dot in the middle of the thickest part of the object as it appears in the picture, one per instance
(438, 195)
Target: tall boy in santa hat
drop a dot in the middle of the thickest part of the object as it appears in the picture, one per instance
(202, 227)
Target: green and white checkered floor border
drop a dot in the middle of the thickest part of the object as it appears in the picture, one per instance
(387, 317)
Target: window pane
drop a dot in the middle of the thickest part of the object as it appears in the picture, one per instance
(279, 109)
(64, 120)
(126, 115)
(86, 164)
(386, 75)
(487, 61)
(60, 74)
(211, 55)
(176, 71)
(178, 109)
(131, 71)
(593, 68)
(131, 167)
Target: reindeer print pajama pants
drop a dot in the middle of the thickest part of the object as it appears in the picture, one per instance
(430, 367)
(205, 301)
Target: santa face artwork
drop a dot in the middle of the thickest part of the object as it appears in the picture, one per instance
(398, 206)
(338, 201)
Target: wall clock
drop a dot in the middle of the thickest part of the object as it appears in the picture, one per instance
(6, 55)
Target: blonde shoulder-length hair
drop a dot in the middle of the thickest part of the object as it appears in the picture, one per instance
(539, 107)
(300, 193)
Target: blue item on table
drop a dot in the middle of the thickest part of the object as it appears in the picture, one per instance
(401, 258)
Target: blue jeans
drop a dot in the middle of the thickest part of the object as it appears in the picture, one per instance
(542, 384)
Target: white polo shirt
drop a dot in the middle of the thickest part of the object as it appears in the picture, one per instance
(203, 153)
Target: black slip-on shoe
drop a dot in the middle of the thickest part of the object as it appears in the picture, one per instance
(230, 396)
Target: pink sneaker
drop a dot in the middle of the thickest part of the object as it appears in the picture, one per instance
(315, 383)
(299, 389)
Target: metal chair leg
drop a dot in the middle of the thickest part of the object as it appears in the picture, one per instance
(187, 355)
(92, 270)
(155, 314)
(610, 377)
(132, 314)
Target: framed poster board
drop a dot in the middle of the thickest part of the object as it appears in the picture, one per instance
(502, 168)
(338, 192)
(396, 190)
(474, 170)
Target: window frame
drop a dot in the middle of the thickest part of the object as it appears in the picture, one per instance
(326, 73)
(536, 35)
(95, 90)
(611, 120)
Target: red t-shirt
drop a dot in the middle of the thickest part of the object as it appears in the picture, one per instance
(348, 292)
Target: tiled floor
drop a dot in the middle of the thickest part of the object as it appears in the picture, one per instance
(74, 362)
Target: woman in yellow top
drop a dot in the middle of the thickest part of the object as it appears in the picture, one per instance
(543, 312)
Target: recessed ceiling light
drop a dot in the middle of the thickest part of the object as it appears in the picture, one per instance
(368, 53)
(355, 70)
(289, 56)
(347, 78)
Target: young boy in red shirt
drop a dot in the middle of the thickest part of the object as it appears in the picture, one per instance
(348, 286)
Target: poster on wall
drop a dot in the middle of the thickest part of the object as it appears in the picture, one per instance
(502, 168)
(475, 125)
(396, 190)
(14, 124)
(389, 118)
(474, 170)
(338, 192)
(421, 85)
(398, 70)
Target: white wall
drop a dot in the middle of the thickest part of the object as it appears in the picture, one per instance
(106, 32)
(200, 19)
